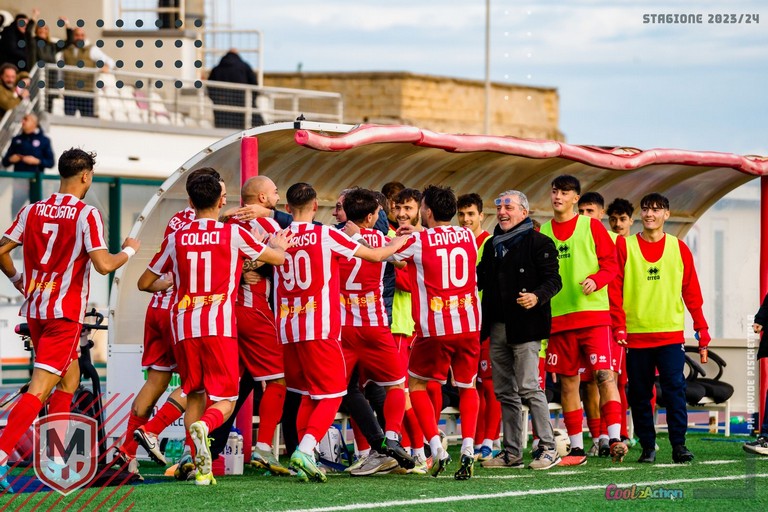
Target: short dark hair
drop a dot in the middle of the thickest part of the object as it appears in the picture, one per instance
(566, 182)
(382, 199)
(654, 200)
(391, 189)
(408, 194)
(74, 161)
(592, 198)
(467, 200)
(204, 171)
(619, 206)
(8, 65)
(300, 194)
(442, 202)
(359, 203)
(204, 191)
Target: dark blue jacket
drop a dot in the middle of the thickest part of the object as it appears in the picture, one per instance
(30, 144)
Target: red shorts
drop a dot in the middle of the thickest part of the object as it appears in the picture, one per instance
(375, 350)
(56, 342)
(315, 368)
(485, 372)
(210, 366)
(261, 353)
(158, 341)
(432, 357)
(588, 347)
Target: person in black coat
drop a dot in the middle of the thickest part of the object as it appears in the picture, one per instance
(760, 445)
(10, 51)
(518, 274)
(233, 69)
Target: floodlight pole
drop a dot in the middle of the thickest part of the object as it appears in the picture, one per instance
(763, 286)
(487, 120)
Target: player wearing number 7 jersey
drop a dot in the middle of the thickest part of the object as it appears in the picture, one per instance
(308, 318)
(441, 267)
(206, 258)
(62, 236)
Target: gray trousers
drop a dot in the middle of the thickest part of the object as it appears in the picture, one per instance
(516, 382)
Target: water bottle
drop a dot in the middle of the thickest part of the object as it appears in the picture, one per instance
(239, 454)
(230, 450)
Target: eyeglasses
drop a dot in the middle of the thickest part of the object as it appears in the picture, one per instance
(506, 201)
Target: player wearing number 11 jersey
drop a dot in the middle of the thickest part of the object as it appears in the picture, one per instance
(441, 266)
(308, 318)
(206, 258)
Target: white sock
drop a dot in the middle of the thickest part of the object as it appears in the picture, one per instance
(419, 452)
(391, 434)
(363, 453)
(614, 431)
(488, 443)
(467, 446)
(435, 446)
(307, 444)
(577, 441)
(264, 447)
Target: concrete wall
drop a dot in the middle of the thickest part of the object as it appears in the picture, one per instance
(443, 104)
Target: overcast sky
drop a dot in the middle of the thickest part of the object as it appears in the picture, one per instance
(621, 82)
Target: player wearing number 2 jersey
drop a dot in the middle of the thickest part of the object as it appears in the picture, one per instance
(206, 259)
(61, 236)
(308, 318)
(441, 266)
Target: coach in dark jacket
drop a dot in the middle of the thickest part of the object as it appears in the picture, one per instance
(518, 274)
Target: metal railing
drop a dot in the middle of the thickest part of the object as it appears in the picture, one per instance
(143, 98)
(10, 123)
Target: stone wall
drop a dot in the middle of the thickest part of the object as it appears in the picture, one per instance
(443, 104)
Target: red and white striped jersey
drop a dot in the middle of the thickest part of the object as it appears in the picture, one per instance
(362, 287)
(206, 259)
(442, 270)
(307, 305)
(164, 299)
(256, 295)
(57, 234)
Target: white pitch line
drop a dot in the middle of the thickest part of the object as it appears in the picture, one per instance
(512, 494)
(620, 468)
(501, 477)
(717, 462)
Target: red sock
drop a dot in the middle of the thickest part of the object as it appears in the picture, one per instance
(624, 406)
(492, 412)
(60, 402)
(603, 426)
(611, 411)
(322, 417)
(435, 390)
(416, 436)
(469, 404)
(213, 418)
(302, 417)
(270, 411)
(394, 409)
(129, 444)
(481, 412)
(190, 444)
(21, 417)
(594, 427)
(360, 440)
(573, 421)
(425, 413)
(166, 415)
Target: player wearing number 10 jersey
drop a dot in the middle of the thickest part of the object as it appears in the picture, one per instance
(441, 266)
(308, 318)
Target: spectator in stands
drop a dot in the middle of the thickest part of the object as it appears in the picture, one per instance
(10, 94)
(40, 47)
(30, 151)
(518, 274)
(10, 51)
(233, 69)
(82, 54)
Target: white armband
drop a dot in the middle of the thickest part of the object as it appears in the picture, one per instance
(357, 237)
(129, 251)
(16, 277)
